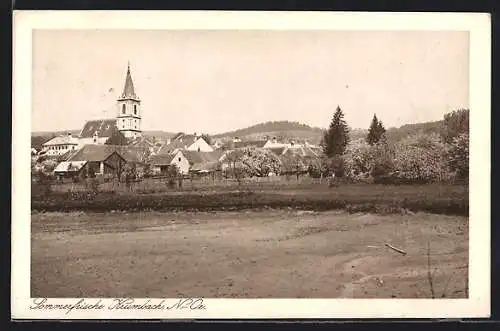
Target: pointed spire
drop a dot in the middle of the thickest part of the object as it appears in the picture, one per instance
(128, 89)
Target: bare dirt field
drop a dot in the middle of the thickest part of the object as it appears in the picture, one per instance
(248, 254)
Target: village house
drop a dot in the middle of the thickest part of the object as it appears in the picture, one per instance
(182, 141)
(69, 169)
(99, 159)
(186, 161)
(161, 162)
(204, 162)
(274, 143)
(250, 144)
(60, 145)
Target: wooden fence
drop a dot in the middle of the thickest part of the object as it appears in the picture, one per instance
(163, 184)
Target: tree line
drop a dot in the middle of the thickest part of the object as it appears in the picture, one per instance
(419, 157)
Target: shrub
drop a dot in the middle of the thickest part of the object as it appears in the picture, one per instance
(458, 156)
(94, 185)
(258, 162)
(421, 158)
(357, 159)
(364, 162)
(333, 165)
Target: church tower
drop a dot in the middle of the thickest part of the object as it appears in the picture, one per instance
(128, 116)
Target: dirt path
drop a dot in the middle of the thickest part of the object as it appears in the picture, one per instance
(247, 254)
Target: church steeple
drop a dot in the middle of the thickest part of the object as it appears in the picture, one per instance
(128, 89)
(128, 119)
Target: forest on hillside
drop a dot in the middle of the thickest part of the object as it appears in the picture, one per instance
(270, 126)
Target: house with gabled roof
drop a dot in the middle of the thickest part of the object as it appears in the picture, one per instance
(161, 162)
(187, 161)
(101, 159)
(69, 168)
(60, 145)
(185, 142)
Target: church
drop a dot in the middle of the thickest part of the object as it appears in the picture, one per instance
(127, 121)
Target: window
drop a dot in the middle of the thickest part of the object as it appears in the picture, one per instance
(179, 159)
(135, 109)
(123, 109)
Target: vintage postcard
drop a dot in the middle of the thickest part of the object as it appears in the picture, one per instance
(212, 165)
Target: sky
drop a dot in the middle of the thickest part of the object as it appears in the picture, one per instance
(218, 81)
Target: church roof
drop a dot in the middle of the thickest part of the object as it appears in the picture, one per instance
(128, 89)
(104, 128)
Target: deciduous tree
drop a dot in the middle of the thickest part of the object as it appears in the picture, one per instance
(117, 138)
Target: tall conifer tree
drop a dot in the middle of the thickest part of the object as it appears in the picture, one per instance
(376, 131)
(336, 138)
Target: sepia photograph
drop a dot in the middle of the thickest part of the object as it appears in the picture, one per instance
(249, 163)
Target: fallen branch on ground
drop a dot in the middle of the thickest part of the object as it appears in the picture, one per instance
(396, 249)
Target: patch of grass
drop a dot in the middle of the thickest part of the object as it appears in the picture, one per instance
(381, 199)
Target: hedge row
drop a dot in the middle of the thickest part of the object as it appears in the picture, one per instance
(104, 202)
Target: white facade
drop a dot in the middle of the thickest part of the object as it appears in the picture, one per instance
(60, 145)
(275, 144)
(128, 119)
(200, 145)
(181, 162)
